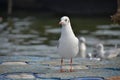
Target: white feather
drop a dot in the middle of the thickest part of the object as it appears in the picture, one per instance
(68, 42)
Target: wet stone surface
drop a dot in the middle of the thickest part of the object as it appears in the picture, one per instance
(38, 69)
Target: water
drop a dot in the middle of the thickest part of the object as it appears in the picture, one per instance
(34, 40)
(39, 35)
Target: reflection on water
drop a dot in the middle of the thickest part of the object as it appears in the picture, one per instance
(35, 36)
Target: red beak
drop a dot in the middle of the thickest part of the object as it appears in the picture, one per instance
(60, 22)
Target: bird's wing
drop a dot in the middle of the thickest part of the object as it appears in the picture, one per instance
(107, 53)
(116, 51)
(112, 53)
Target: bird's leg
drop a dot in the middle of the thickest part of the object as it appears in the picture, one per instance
(71, 70)
(61, 70)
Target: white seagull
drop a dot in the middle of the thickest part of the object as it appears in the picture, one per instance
(106, 54)
(82, 47)
(68, 43)
(91, 57)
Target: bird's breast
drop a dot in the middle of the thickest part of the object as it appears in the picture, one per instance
(68, 47)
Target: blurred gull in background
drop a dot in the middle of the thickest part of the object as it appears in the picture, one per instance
(108, 54)
(82, 47)
(91, 57)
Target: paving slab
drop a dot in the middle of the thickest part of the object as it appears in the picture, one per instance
(43, 68)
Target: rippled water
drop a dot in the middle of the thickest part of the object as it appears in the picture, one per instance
(36, 36)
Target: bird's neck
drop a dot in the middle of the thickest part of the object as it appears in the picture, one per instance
(82, 45)
(101, 51)
(67, 31)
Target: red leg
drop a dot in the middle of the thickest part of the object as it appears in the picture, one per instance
(71, 70)
(61, 70)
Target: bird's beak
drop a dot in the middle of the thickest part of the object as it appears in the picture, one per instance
(60, 22)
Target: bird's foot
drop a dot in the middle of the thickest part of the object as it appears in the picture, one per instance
(71, 70)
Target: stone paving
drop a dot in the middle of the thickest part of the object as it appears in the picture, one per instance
(43, 68)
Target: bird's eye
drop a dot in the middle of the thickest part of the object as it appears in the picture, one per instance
(65, 20)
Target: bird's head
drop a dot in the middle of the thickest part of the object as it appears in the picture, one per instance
(82, 39)
(100, 46)
(64, 21)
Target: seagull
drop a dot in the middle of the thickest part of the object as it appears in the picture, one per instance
(82, 47)
(106, 54)
(91, 57)
(68, 43)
